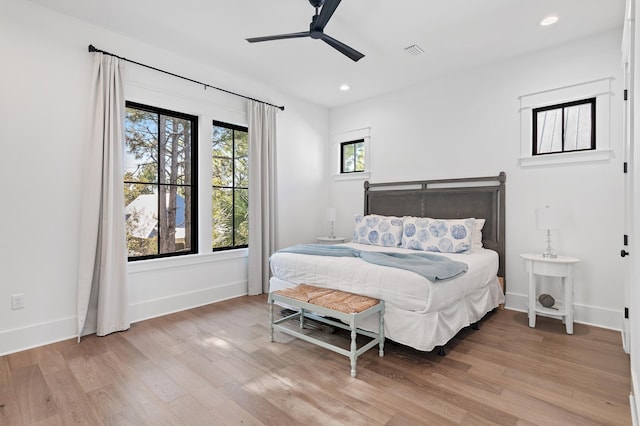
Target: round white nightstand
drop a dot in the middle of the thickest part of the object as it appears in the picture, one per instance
(331, 240)
(562, 267)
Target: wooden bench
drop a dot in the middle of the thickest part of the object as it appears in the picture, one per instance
(319, 304)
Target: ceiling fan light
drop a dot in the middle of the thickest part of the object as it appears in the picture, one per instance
(344, 87)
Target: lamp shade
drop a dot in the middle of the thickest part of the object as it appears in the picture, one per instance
(548, 218)
(332, 214)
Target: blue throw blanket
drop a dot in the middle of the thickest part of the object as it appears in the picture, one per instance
(431, 266)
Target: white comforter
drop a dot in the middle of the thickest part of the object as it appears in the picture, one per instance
(399, 288)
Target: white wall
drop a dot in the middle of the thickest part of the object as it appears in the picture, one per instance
(44, 95)
(468, 124)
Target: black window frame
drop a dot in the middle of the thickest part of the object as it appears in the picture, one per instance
(194, 180)
(234, 127)
(535, 111)
(343, 145)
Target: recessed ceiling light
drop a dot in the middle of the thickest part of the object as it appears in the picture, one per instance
(344, 87)
(549, 20)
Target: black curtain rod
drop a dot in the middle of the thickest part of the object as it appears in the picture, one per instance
(92, 49)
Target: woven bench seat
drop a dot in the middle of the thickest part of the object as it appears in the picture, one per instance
(337, 300)
(324, 305)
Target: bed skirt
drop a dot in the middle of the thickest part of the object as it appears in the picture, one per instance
(426, 330)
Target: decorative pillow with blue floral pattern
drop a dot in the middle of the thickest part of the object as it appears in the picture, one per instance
(378, 230)
(439, 235)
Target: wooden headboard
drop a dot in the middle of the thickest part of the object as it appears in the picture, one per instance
(478, 197)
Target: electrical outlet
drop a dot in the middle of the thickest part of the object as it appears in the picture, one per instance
(17, 301)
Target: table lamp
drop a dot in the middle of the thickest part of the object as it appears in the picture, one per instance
(548, 218)
(331, 217)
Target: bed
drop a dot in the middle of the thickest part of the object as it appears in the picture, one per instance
(419, 312)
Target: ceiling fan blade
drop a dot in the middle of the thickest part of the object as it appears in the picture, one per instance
(279, 37)
(326, 13)
(342, 48)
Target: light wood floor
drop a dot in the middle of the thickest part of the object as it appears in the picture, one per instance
(215, 365)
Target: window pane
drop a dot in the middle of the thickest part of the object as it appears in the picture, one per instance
(141, 221)
(184, 221)
(176, 149)
(549, 128)
(222, 157)
(222, 214)
(578, 127)
(141, 146)
(241, 140)
(241, 217)
(348, 158)
(241, 159)
(242, 172)
(222, 172)
(172, 206)
(359, 154)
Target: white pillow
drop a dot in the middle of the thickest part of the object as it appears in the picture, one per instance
(385, 231)
(438, 235)
(476, 238)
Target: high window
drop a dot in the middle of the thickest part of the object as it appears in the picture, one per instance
(352, 158)
(230, 184)
(159, 182)
(565, 127)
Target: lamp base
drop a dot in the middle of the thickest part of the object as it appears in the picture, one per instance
(549, 252)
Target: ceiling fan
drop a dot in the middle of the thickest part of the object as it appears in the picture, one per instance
(316, 29)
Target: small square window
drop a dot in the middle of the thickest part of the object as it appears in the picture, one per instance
(565, 127)
(352, 158)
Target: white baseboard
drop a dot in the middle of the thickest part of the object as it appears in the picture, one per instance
(584, 314)
(179, 302)
(32, 336)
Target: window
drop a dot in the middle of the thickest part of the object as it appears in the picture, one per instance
(581, 112)
(352, 156)
(159, 186)
(230, 183)
(564, 127)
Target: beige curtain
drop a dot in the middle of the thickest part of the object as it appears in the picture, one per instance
(262, 193)
(102, 275)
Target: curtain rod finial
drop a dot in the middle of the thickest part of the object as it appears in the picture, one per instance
(92, 48)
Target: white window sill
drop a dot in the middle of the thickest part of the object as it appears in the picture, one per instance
(352, 176)
(187, 260)
(567, 158)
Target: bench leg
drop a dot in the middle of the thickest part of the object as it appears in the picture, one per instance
(381, 334)
(353, 352)
(270, 320)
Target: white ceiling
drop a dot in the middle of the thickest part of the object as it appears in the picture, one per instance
(453, 34)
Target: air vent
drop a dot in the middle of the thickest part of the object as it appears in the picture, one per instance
(414, 50)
